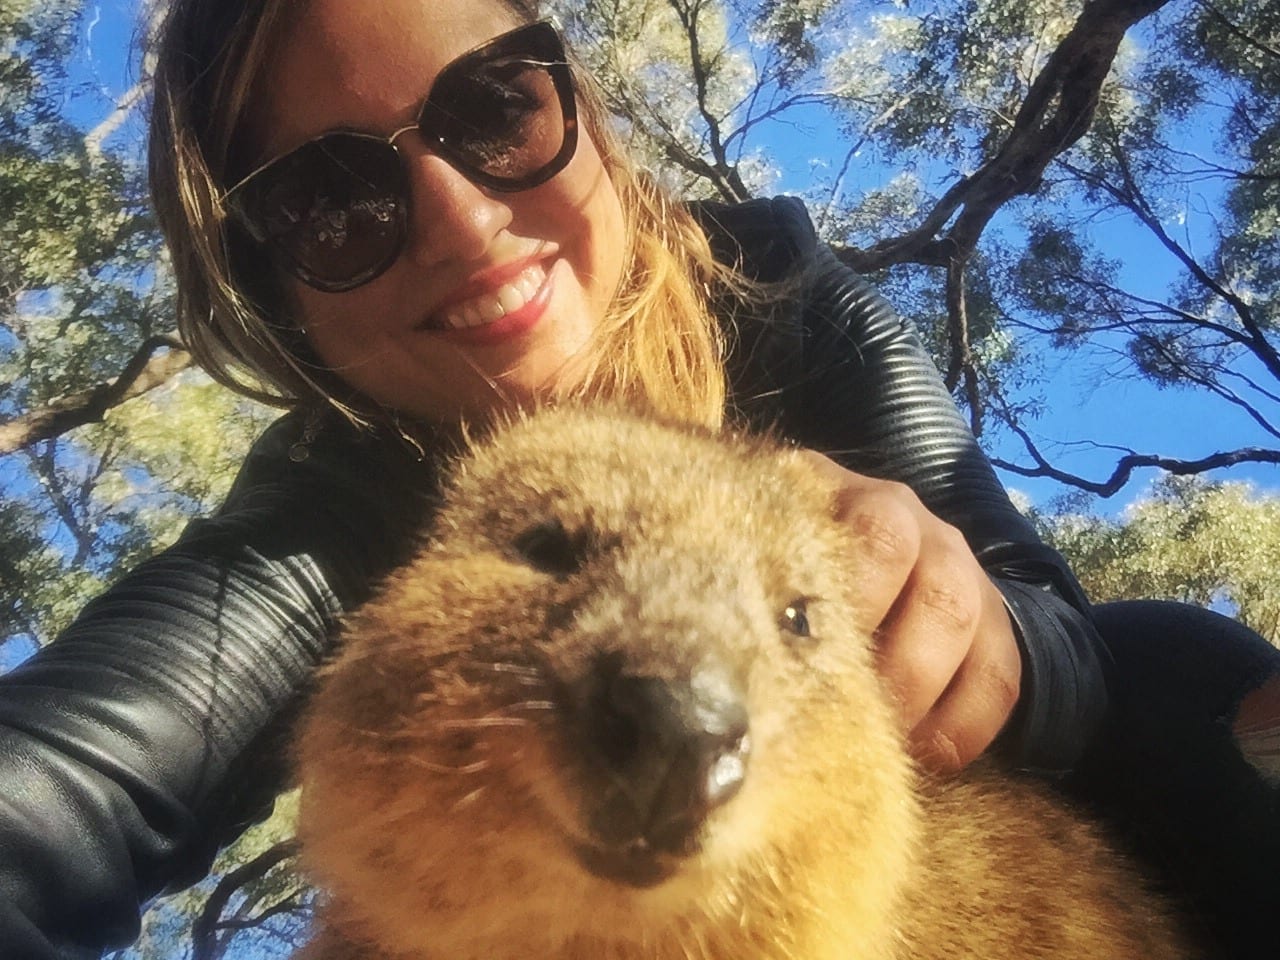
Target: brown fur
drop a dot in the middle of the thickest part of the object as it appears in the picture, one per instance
(444, 796)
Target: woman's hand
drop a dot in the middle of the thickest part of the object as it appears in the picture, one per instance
(944, 640)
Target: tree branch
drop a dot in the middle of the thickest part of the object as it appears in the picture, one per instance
(1173, 316)
(960, 365)
(204, 930)
(45, 467)
(124, 106)
(1206, 381)
(1057, 111)
(1236, 32)
(728, 174)
(776, 108)
(1128, 463)
(290, 904)
(146, 370)
(1129, 196)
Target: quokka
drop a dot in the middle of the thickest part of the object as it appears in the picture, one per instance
(615, 710)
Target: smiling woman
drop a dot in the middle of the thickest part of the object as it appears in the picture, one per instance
(531, 207)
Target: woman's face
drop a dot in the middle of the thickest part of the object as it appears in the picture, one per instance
(545, 261)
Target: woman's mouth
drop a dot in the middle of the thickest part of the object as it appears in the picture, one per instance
(485, 309)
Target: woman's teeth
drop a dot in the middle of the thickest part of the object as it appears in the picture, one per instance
(488, 307)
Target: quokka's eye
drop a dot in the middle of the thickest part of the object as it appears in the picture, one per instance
(549, 547)
(795, 617)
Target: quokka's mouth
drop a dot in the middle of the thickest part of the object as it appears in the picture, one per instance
(635, 865)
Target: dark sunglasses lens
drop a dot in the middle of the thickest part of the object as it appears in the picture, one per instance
(334, 208)
(503, 119)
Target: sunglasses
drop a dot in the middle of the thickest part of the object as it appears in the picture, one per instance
(334, 211)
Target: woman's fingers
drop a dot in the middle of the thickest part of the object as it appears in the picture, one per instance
(947, 649)
(944, 641)
(976, 704)
(927, 635)
(887, 547)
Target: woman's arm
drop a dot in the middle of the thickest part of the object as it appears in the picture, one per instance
(151, 732)
(834, 368)
(859, 356)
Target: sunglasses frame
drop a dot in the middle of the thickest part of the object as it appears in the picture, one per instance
(540, 40)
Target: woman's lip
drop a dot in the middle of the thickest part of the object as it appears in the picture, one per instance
(487, 281)
(507, 327)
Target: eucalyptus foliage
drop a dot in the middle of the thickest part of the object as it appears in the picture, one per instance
(1209, 543)
(83, 285)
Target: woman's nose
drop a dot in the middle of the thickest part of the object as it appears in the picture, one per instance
(450, 218)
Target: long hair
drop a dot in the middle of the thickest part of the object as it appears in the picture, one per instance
(658, 344)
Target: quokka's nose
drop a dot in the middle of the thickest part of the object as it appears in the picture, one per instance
(668, 752)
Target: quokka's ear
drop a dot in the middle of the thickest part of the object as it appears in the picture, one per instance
(817, 476)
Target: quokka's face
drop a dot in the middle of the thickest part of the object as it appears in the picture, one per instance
(621, 675)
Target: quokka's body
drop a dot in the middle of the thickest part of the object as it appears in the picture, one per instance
(616, 709)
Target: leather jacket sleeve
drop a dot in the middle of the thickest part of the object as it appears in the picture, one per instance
(151, 732)
(833, 367)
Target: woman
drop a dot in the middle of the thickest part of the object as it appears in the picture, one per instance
(503, 253)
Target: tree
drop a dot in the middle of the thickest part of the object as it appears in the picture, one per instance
(252, 904)
(1017, 127)
(93, 483)
(79, 298)
(1192, 540)
(1213, 329)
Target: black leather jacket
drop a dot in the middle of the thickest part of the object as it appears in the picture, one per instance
(151, 732)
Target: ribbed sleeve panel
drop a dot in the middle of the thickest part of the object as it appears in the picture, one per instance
(860, 355)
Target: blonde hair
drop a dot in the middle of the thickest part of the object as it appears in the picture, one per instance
(658, 345)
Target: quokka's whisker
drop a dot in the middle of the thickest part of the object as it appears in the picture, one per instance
(518, 669)
(533, 705)
(476, 723)
(469, 799)
(478, 766)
